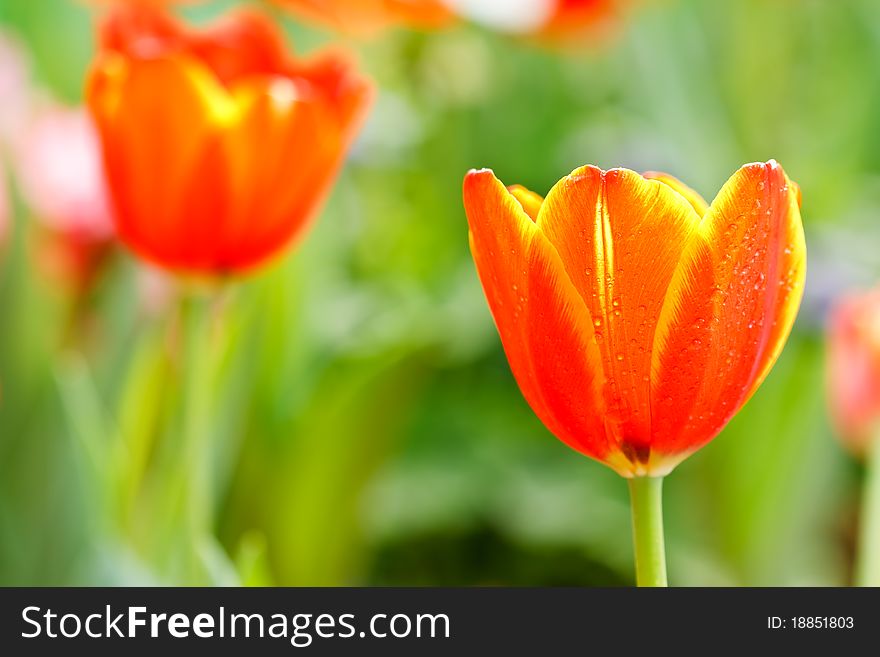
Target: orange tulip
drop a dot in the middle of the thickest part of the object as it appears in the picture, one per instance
(368, 16)
(637, 319)
(854, 368)
(218, 146)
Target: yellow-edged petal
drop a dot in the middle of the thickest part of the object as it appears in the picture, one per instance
(544, 326)
(698, 203)
(730, 308)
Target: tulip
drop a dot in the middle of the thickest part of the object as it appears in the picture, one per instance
(637, 319)
(854, 399)
(370, 16)
(218, 146)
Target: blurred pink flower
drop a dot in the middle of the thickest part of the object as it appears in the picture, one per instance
(54, 157)
(60, 174)
(854, 368)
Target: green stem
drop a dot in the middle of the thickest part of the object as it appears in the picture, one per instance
(197, 383)
(646, 495)
(868, 567)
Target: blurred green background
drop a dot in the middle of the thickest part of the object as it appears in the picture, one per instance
(366, 428)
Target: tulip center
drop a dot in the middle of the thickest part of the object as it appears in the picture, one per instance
(635, 452)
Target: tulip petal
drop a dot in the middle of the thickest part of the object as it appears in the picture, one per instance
(698, 203)
(152, 150)
(544, 325)
(730, 308)
(620, 238)
(283, 153)
(529, 200)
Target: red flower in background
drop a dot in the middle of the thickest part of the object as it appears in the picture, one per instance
(637, 319)
(854, 368)
(571, 18)
(368, 16)
(554, 20)
(218, 145)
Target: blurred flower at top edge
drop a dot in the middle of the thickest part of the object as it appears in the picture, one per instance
(547, 20)
(853, 368)
(219, 146)
(367, 17)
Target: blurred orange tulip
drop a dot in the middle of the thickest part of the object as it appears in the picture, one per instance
(637, 319)
(854, 368)
(368, 16)
(218, 146)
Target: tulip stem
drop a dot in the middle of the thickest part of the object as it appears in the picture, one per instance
(196, 377)
(868, 570)
(646, 498)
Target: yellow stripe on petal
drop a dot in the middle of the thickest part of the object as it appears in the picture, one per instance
(620, 238)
